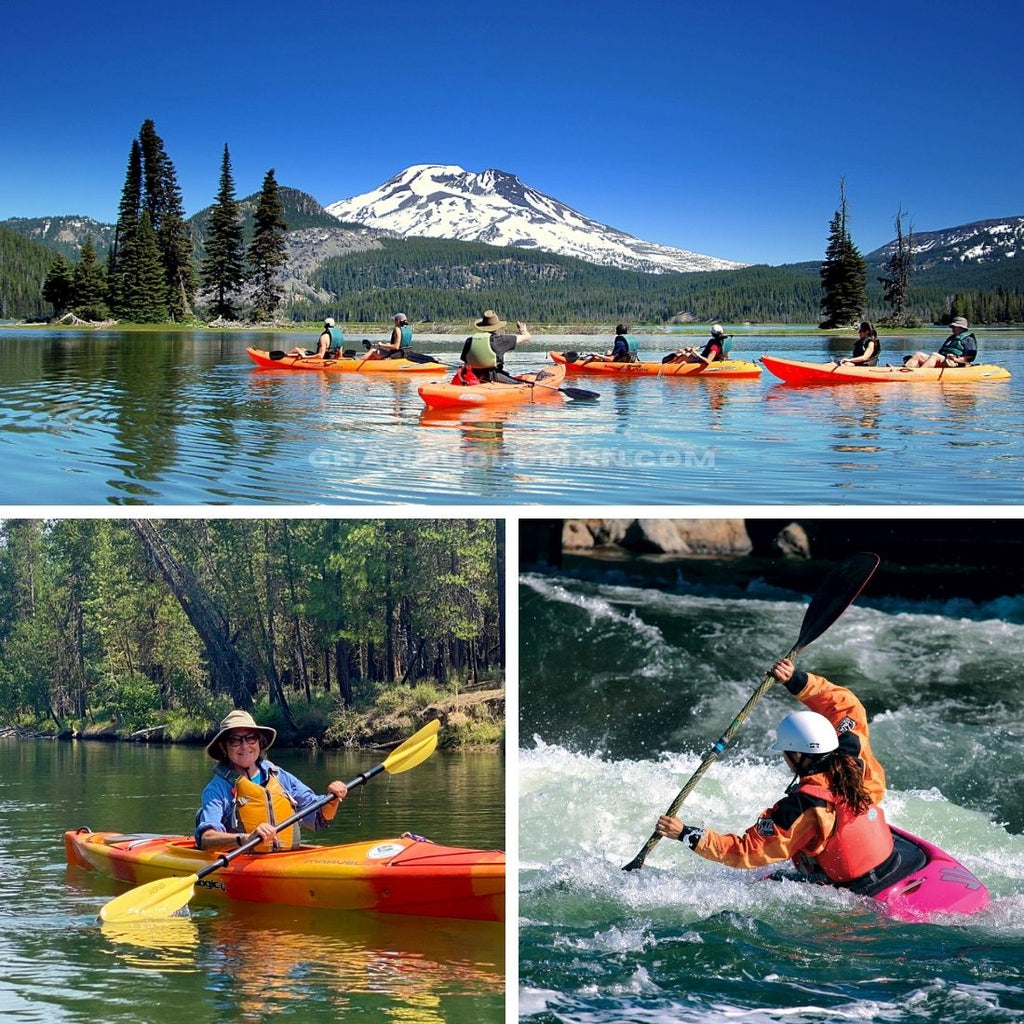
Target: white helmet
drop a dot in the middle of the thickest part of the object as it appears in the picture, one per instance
(805, 732)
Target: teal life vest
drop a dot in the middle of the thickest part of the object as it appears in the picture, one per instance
(631, 343)
(481, 355)
(964, 345)
(406, 339)
(337, 339)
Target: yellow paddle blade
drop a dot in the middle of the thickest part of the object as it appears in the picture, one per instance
(415, 750)
(162, 898)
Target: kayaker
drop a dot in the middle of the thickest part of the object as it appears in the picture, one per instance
(959, 349)
(829, 823)
(485, 350)
(398, 345)
(715, 349)
(331, 341)
(624, 349)
(867, 348)
(248, 792)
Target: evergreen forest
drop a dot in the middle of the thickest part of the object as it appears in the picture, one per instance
(333, 631)
(230, 259)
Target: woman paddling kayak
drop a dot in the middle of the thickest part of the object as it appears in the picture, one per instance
(248, 794)
(829, 823)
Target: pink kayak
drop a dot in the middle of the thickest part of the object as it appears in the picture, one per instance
(942, 885)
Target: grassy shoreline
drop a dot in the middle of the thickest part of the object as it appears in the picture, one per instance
(433, 329)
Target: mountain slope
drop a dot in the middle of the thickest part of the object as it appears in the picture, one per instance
(982, 241)
(445, 201)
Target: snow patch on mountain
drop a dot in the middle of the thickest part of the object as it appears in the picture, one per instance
(492, 206)
(982, 241)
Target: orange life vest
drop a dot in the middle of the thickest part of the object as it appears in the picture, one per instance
(255, 804)
(859, 842)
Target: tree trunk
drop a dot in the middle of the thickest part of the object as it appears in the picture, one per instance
(230, 672)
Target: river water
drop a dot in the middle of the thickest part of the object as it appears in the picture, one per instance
(232, 962)
(625, 685)
(186, 419)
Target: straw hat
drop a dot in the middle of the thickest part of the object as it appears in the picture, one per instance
(239, 720)
(490, 322)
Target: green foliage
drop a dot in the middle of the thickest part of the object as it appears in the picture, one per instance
(843, 273)
(131, 702)
(161, 199)
(89, 281)
(267, 252)
(222, 269)
(25, 264)
(59, 287)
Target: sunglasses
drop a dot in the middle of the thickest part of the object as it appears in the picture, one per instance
(237, 741)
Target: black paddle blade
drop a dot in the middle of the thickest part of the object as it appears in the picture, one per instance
(580, 393)
(571, 357)
(277, 354)
(837, 591)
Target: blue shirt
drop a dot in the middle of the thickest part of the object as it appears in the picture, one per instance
(217, 804)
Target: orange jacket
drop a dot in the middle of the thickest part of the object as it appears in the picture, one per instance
(800, 826)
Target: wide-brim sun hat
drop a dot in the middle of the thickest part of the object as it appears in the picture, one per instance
(239, 720)
(960, 322)
(490, 321)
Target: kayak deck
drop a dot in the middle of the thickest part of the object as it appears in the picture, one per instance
(794, 371)
(355, 364)
(941, 885)
(728, 369)
(540, 386)
(404, 875)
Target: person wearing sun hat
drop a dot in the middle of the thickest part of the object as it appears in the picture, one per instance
(248, 793)
(959, 349)
(485, 350)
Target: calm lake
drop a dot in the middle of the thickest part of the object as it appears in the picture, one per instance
(233, 962)
(623, 688)
(186, 419)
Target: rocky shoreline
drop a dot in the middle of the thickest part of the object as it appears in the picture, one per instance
(921, 558)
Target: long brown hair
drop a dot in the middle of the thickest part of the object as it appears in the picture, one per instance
(846, 780)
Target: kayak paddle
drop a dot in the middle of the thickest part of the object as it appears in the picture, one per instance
(165, 897)
(837, 591)
(571, 392)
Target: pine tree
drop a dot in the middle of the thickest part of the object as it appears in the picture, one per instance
(59, 286)
(121, 265)
(267, 252)
(90, 286)
(844, 273)
(223, 267)
(149, 287)
(162, 200)
(896, 287)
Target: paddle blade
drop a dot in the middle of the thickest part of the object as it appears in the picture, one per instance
(414, 751)
(580, 393)
(837, 591)
(163, 898)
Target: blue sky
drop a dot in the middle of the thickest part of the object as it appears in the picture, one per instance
(718, 127)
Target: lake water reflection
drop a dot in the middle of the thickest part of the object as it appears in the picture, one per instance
(185, 418)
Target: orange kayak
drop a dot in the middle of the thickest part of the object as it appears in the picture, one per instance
(407, 875)
(280, 361)
(727, 369)
(536, 387)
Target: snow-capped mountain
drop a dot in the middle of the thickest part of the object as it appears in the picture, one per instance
(982, 241)
(441, 201)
